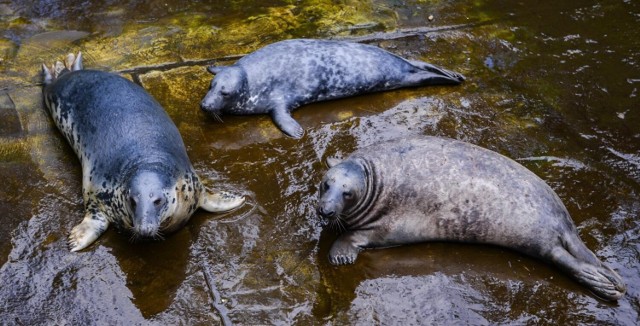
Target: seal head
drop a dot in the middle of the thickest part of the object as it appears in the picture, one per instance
(342, 188)
(148, 203)
(227, 92)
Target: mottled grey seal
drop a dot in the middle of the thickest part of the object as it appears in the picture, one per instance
(135, 169)
(437, 189)
(285, 75)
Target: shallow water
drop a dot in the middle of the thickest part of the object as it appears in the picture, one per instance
(553, 85)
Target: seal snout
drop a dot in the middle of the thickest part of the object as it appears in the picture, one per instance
(148, 204)
(147, 215)
(147, 231)
(208, 106)
(326, 213)
(205, 105)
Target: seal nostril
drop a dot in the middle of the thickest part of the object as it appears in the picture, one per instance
(324, 213)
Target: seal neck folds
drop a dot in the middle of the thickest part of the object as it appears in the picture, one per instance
(347, 193)
(356, 216)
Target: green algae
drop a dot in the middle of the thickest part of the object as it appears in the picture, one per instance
(14, 151)
(187, 35)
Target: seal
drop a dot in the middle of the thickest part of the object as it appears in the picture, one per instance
(135, 169)
(438, 189)
(282, 76)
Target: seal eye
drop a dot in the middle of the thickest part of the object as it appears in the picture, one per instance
(347, 195)
(157, 202)
(132, 203)
(225, 93)
(325, 186)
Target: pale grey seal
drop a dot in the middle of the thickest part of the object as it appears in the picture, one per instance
(437, 189)
(284, 75)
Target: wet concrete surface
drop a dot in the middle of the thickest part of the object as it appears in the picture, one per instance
(552, 85)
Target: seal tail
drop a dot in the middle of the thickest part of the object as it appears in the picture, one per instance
(580, 262)
(438, 74)
(71, 63)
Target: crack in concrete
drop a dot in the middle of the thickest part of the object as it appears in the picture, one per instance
(375, 37)
(217, 304)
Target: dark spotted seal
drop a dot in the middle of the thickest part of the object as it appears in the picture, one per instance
(285, 75)
(135, 169)
(436, 189)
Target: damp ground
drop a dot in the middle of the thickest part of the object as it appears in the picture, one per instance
(550, 84)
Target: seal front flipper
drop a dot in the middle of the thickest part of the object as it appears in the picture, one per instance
(283, 119)
(346, 248)
(92, 226)
(220, 201)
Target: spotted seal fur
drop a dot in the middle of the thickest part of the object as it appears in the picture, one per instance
(282, 76)
(135, 169)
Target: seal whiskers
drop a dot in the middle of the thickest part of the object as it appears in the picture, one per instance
(217, 117)
(338, 223)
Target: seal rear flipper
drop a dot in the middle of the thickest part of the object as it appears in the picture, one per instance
(71, 63)
(432, 74)
(599, 278)
(283, 120)
(220, 201)
(46, 75)
(92, 226)
(51, 74)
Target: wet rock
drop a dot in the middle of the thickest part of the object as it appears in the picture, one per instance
(7, 51)
(10, 126)
(48, 40)
(267, 261)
